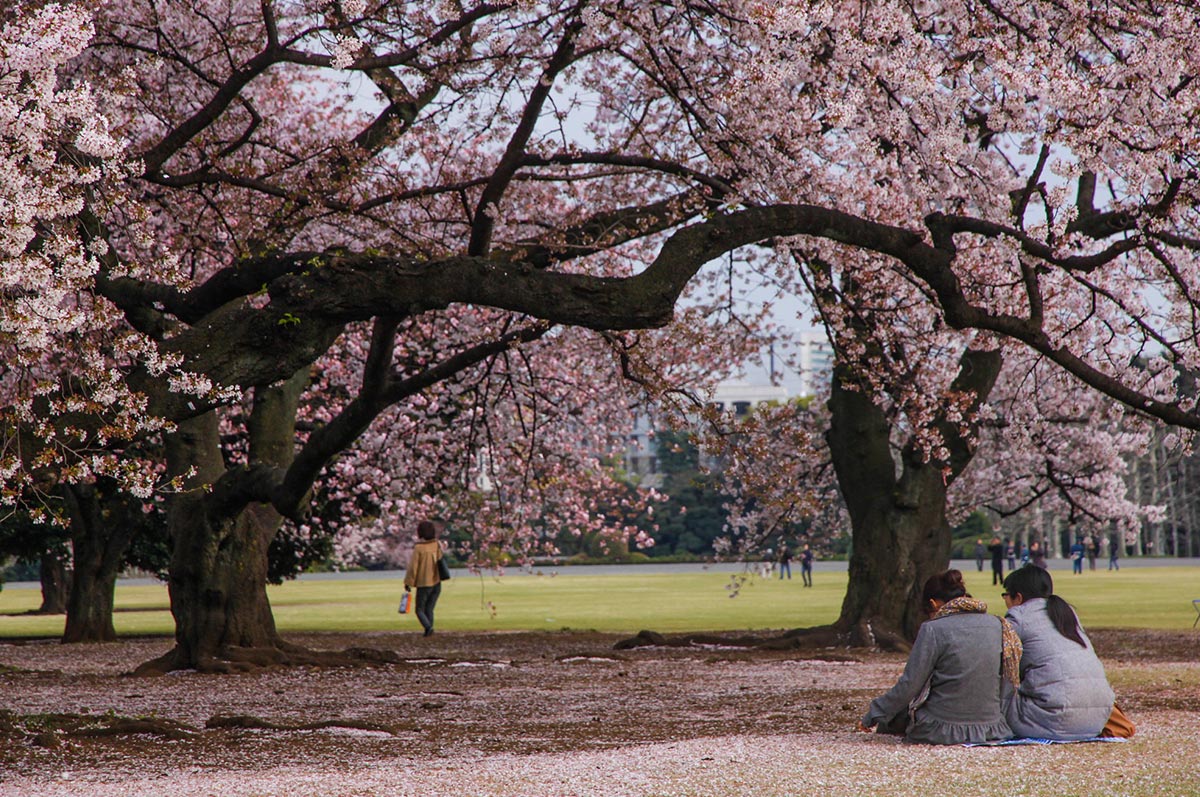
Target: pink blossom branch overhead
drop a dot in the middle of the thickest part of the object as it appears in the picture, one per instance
(201, 207)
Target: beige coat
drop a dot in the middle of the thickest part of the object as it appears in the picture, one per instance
(422, 565)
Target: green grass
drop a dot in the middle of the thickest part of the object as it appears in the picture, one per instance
(1148, 597)
(1134, 597)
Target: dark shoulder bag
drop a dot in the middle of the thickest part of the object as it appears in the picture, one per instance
(443, 570)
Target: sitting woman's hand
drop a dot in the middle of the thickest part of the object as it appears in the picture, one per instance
(865, 729)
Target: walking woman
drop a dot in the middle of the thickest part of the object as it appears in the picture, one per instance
(951, 689)
(424, 573)
(1064, 693)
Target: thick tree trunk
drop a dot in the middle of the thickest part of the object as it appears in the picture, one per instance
(56, 584)
(220, 542)
(897, 546)
(898, 522)
(102, 526)
(218, 582)
(897, 508)
(90, 607)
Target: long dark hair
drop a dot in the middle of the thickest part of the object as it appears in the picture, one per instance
(1031, 582)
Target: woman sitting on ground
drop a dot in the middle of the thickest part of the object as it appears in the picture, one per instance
(1064, 693)
(950, 692)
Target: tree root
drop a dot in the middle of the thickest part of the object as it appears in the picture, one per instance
(258, 723)
(125, 726)
(232, 659)
(47, 730)
(865, 635)
(819, 638)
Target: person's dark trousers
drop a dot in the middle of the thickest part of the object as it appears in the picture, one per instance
(997, 575)
(426, 600)
(806, 573)
(785, 567)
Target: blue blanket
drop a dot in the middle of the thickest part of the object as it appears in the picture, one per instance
(1034, 740)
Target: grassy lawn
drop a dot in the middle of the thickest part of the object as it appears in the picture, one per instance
(1146, 597)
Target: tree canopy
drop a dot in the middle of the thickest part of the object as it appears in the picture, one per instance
(326, 220)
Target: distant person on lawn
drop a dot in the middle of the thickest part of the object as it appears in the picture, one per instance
(1037, 556)
(422, 573)
(1077, 557)
(951, 690)
(785, 562)
(997, 551)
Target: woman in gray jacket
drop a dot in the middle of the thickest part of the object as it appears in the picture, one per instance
(1064, 693)
(950, 692)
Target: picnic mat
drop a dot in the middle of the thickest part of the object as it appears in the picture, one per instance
(1035, 740)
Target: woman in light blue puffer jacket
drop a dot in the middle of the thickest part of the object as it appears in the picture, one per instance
(1064, 693)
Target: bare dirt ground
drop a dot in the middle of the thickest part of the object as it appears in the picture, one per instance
(548, 714)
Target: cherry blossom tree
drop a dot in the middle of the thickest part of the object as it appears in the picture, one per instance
(1066, 281)
(927, 422)
(1065, 451)
(1024, 170)
(529, 461)
(510, 455)
(1017, 436)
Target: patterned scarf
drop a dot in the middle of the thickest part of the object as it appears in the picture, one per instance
(1010, 658)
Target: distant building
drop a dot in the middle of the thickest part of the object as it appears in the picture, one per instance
(641, 453)
(802, 362)
(740, 397)
(815, 360)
